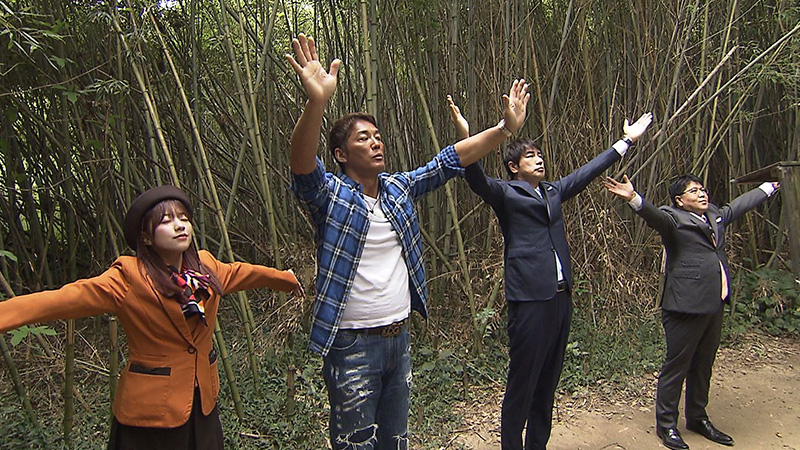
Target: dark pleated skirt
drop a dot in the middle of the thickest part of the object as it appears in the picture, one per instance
(198, 433)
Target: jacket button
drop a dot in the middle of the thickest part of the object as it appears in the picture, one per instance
(192, 350)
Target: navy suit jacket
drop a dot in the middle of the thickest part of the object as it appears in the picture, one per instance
(533, 227)
(693, 281)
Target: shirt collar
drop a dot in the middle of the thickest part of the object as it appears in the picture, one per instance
(355, 185)
(701, 218)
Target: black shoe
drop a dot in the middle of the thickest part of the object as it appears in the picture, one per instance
(708, 431)
(671, 438)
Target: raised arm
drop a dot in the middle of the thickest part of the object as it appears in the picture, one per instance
(459, 121)
(487, 188)
(656, 218)
(476, 147)
(319, 86)
(747, 201)
(623, 190)
(633, 131)
(574, 183)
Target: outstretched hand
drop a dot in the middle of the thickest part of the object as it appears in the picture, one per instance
(318, 84)
(623, 189)
(635, 130)
(298, 290)
(459, 121)
(515, 103)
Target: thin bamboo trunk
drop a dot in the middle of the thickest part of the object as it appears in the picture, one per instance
(69, 357)
(247, 319)
(149, 103)
(556, 75)
(19, 386)
(69, 383)
(451, 208)
(217, 205)
(230, 375)
(367, 57)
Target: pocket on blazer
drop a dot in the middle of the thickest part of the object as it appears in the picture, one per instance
(143, 391)
(160, 371)
(528, 252)
(692, 273)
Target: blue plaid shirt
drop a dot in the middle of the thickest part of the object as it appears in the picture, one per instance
(341, 220)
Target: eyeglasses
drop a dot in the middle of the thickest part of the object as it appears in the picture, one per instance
(696, 191)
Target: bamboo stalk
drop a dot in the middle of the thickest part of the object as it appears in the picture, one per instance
(451, 208)
(113, 369)
(69, 383)
(14, 373)
(367, 57)
(69, 357)
(230, 375)
(557, 71)
(217, 207)
(248, 320)
(149, 103)
(712, 98)
(19, 386)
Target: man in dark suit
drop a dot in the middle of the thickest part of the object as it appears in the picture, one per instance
(695, 288)
(538, 273)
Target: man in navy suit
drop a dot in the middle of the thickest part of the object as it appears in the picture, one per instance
(695, 289)
(538, 273)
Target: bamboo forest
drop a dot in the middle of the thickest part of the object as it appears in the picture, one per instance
(101, 100)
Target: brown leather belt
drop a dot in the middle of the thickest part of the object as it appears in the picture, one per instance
(391, 330)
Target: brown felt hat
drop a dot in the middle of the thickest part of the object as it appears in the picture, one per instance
(133, 219)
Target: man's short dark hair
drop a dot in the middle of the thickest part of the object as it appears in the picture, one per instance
(337, 137)
(514, 152)
(678, 186)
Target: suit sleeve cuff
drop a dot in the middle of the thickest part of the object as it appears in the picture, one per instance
(636, 202)
(768, 189)
(621, 147)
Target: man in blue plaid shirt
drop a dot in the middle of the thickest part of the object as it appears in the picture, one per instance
(369, 253)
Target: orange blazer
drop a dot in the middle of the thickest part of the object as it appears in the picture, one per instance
(168, 354)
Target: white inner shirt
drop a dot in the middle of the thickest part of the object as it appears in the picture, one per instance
(559, 272)
(380, 294)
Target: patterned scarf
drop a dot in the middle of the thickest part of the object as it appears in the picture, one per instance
(195, 292)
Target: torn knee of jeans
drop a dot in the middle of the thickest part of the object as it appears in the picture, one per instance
(361, 438)
(402, 441)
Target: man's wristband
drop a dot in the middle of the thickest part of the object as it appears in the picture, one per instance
(502, 127)
(627, 140)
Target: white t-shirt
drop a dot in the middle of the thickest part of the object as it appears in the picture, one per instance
(380, 294)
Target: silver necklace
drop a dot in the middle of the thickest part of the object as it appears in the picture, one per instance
(370, 204)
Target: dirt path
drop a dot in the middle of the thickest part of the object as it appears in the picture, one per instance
(755, 397)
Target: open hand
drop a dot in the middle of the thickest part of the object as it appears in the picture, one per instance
(623, 189)
(459, 121)
(318, 84)
(515, 103)
(635, 130)
(298, 290)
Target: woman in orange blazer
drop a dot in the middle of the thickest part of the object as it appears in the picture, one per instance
(166, 298)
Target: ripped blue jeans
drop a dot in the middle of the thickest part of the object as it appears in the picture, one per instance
(369, 381)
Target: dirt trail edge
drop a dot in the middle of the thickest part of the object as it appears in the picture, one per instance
(755, 397)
